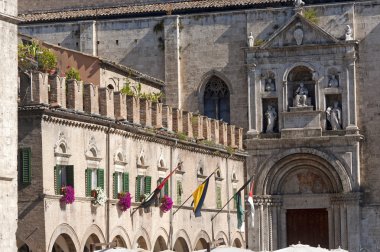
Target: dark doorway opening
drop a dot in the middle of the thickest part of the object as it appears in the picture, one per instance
(308, 226)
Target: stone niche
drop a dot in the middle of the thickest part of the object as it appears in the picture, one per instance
(268, 105)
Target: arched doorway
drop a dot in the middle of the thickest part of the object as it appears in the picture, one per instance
(160, 244)
(180, 245)
(63, 243)
(304, 195)
(119, 241)
(92, 239)
(201, 244)
(237, 243)
(216, 99)
(141, 243)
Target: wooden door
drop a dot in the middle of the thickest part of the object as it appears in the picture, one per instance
(308, 226)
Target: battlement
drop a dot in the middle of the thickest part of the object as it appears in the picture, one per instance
(55, 91)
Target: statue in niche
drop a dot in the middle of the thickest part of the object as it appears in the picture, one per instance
(298, 34)
(333, 82)
(269, 85)
(271, 116)
(251, 40)
(301, 95)
(348, 35)
(334, 116)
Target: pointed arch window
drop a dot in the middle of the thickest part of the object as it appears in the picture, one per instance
(217, 99)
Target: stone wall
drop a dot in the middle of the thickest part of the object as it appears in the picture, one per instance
(8, 125)
(120, 146)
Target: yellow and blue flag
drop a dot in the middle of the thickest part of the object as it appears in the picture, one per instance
(199, 196)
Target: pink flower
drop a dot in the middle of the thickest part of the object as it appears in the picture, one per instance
(68, 196)
(167, 204)
(125, 202)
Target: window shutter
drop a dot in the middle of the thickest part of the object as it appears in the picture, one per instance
(147, 182)
(26, 171)
(179, 192)
(235, 198)
(125, 182)
(115, 185)
(100, 178)
(138, 188)
(218, 197)
(70, 175)
(57, 180)
(166, 188)
(88, 182)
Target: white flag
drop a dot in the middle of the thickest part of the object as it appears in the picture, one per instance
(250, 201)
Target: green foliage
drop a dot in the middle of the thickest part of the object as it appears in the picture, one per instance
(230, 150)
(181, 136)
(34, 56)
(259, 42)
(135, 91)
(208, 143)
(311, 15)
(46, 60)
(73, 74)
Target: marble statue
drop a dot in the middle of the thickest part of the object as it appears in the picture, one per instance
(269, 85)
(301, 95)
(334, 116)
(348, 35)
(271, 116)
(251, 40)
(333, 82)
(299, 3)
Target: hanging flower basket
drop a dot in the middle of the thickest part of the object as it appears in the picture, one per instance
(166, 204)
(100, 196)
(68, 195)
(124, 201)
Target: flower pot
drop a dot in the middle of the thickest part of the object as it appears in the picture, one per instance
(63, 190)
(94, 193)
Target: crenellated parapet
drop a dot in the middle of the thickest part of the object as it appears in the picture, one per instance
(87, 98)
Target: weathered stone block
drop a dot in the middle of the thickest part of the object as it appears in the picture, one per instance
(57, 95)
(75, 95)
(120, 106)
(90, 99)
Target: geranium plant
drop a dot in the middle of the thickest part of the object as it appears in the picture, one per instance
(68, 194)
(166, 203)
(100, 198)
(124, 201)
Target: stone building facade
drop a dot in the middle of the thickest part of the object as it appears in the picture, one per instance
(313, 153)
(8, 125)
(79, 143)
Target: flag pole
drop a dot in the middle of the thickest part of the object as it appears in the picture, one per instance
(192, 194)
(244, 186)
(179, 165)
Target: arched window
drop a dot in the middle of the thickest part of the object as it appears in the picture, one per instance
(217, 99)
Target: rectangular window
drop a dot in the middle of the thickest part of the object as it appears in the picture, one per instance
(94, 179)
(120, 183)
(24, 164)
(63, 176)
(218, 197)
(139, 190)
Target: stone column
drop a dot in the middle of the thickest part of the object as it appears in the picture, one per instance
(252, 104)
(351, 92)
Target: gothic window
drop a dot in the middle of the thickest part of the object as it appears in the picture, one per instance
(217, 100)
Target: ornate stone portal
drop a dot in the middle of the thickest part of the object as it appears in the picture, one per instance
(305, 166)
